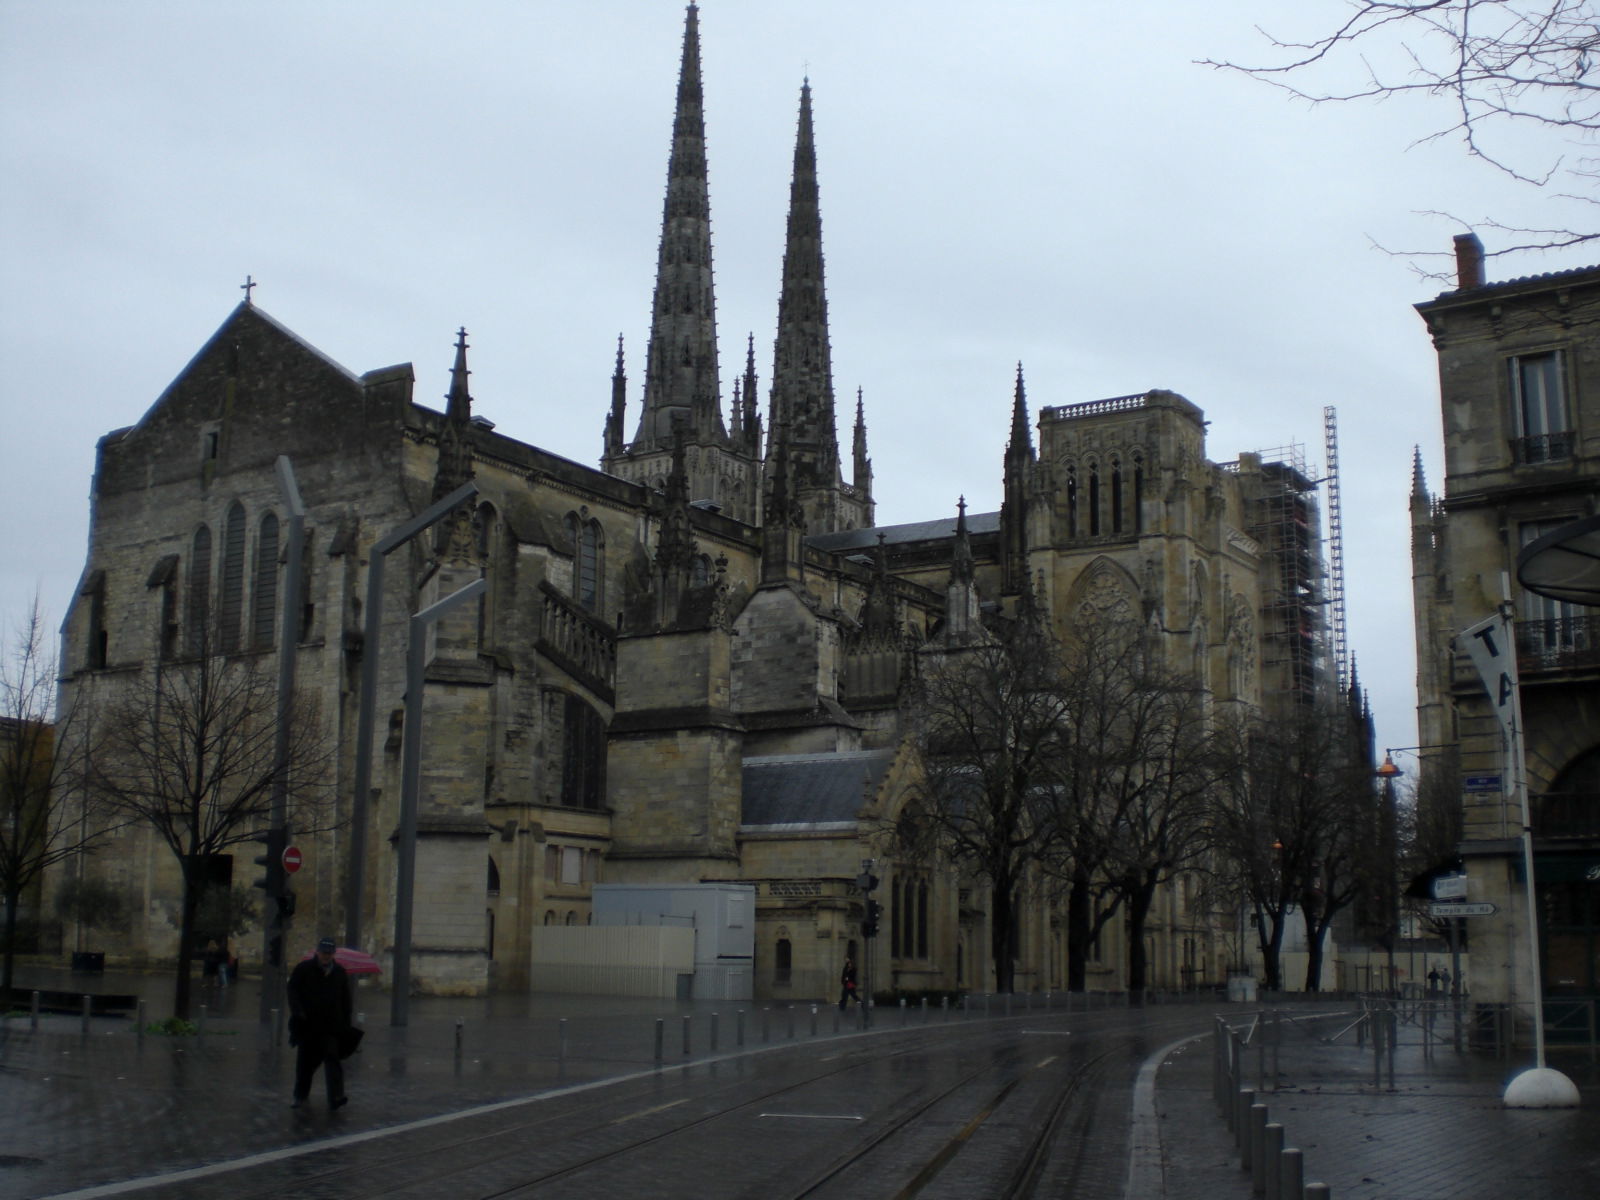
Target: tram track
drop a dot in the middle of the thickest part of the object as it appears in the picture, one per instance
(929, 1099)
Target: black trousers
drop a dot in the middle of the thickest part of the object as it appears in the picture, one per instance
(318, 1050)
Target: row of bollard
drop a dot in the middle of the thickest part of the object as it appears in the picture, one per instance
(1277, 1171)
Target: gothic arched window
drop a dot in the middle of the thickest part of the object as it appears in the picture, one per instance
(199, 590)
(583, 758)
(1116, 496)
(264, 593)
(1094, 501)
(588, 561)
(231, 588)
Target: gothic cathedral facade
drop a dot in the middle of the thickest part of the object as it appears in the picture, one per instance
(689, 665)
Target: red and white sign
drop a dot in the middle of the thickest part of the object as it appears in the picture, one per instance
(291, 859)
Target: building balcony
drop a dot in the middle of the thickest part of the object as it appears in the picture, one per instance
(1569, 643)
(1565, 815)
(1543, 448)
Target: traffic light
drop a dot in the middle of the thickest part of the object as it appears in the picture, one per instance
(272, 881)
(285, 904)
(869, 927)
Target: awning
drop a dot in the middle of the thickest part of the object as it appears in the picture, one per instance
(1564, 564)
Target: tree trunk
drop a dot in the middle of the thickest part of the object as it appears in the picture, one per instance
(13, 898)
(1001, 933)
(1139, 899)
(1078, 936)
(1314, 957)
(1271, 947)
(191, 905)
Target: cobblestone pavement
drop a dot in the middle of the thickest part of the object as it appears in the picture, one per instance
(1440, 1132)
(87, 1109)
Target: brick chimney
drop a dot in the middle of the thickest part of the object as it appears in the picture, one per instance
(1469, 261)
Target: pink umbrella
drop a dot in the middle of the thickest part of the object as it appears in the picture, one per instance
(356, 962)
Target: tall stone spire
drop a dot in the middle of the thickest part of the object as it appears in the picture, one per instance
(802, 367)
(619, 405)
(1019, 469)
(454, 536)
(681, 363)
(750, 425)
(862, 476)
(963, 622)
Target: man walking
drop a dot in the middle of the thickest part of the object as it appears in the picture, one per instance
(319, 1023)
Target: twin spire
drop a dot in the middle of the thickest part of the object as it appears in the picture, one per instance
(681, 387)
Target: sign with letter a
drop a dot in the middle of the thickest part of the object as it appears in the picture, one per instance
(1493, 651)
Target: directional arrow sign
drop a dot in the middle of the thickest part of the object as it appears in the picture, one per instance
(1462, 908)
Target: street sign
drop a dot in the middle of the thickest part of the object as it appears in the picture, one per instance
(1450, 887)
(1462, 908)
(291, 859)
(1482, 783)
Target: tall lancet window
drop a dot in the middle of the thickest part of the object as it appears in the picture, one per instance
(199, 597)
(1116, 496)
(1094, 501)
(264, 595)
(588, 563)
(1138, 494)
(231, 590)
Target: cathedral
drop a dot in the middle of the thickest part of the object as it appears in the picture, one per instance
(690, 664)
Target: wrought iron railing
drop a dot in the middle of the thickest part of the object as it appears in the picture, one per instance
(1543, 448)
(1558, 644)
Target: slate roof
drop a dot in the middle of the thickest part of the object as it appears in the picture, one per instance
(917, 531)
(793, 791)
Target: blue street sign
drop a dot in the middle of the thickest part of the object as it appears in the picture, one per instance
(1482, 783)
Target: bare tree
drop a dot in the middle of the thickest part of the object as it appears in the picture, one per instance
(40, 751)
(1130, 802)
(191, 753)
(1500, 68)
(989, 718)
(1300, 827)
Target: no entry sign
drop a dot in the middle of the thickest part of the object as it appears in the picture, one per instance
(291, 859)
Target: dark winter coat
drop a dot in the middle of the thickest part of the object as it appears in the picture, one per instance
(319, 1001)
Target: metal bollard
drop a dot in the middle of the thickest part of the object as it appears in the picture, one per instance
(924, 1010)
(1318, 1191)
(1257, 1141)
(561, 1039)
(738, 1026)
(1291, 1176)
(138, 1019)
(1271, 1160)
(813, 1020)
(686, 1021)
(944, 1008)
(713, 1033)
(661, 1026)
(35, 1010)
(1240, 1125)
(88, 1005)
(460, 1024)
(902, 1012)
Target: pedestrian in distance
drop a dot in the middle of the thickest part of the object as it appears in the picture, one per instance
(213, 965)
(319, 1024)
(1433, 980)
(847, 985)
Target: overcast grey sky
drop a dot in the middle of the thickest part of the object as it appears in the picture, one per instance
(1047, 182)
